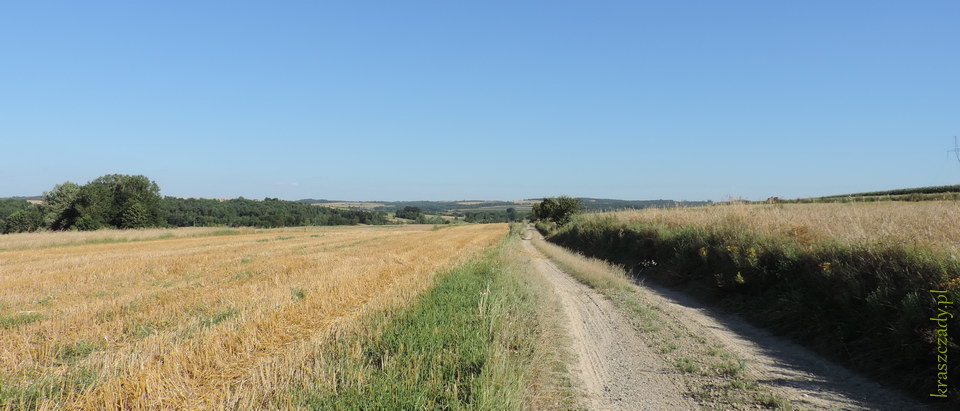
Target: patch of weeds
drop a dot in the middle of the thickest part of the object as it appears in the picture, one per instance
(46, 300)
(162, 283)
(105, 240)
(281, 238)
(298, 293)
(774, 401)
(105, 293)
(139, 329)
(718, 352)
(704, 395)
(29, 395)
(730, 368)
(16, 320)
(739, 384)
(190, 276)
(131, 307)
(217, 318)
(243, 275)
(350, 244)
(647, 316)
(106, 316)
(263, 240)
(246, 260)
(70, 353)
(668, 348)
(315, 235)
(225, 232)
(686, 364)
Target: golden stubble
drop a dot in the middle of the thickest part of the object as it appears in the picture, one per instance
(216, 321)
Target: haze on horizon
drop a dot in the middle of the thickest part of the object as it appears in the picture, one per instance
(495, 101)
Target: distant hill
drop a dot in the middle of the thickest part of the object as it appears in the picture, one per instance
(432, 207)
(28, 198)
(600, 204)
(903, 191)
(931, 193)
(449, 207)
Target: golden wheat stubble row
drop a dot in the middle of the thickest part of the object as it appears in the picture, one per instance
(184, 363)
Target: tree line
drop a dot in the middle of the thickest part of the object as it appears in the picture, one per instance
(126, 201)
(493, 216)
(270, 212)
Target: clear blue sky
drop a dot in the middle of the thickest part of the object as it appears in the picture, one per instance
(403, 100)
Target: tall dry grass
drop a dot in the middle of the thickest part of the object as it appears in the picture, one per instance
(935, 224)
(200, 321)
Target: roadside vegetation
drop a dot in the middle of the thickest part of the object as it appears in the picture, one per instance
(850, 280)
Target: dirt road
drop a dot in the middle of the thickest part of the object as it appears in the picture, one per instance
(618, 370)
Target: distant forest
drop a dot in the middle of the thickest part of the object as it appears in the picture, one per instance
(429, 207)
(123, 201)
(933, 193)
(449, 207)
(903, 191)
(605, 204)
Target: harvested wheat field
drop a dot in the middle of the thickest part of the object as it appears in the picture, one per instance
(205, 319)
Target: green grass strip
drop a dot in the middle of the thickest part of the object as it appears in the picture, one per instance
(468, 343)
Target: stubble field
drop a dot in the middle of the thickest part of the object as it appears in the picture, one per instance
(204, 319)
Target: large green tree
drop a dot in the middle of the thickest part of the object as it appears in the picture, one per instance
(557, 209)
(114, 199)
(59, 206)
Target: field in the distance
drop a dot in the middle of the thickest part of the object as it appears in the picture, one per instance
(198, 318)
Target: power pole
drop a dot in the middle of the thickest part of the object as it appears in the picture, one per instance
(956, 149)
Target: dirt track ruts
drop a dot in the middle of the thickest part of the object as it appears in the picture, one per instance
(618, 370)
(615, 368)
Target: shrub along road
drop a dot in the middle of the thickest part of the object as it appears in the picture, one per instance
(639, 347)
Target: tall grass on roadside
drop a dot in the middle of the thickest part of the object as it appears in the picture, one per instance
(849, 286)
(473, 342)
(598, 274)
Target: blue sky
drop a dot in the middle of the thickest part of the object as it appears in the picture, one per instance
(481, 100)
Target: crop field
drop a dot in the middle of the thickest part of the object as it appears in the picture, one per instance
(200, 317)
(351, 204)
